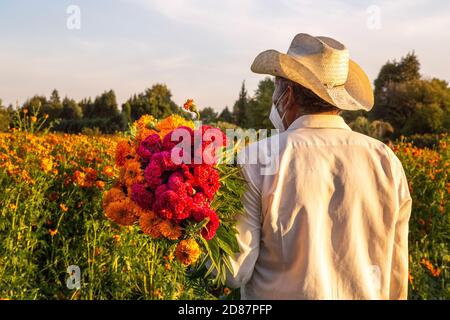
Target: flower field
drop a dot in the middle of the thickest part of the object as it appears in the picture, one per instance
(51, 217)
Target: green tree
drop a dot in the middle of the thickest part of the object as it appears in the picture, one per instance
(71, 109)
(53, 106)
(425, 119)
(35, 103)
(156, 101)
(208, 115)
(126, 111)
(240, 108)
(226, 116)
(390, 104)
(260, 105)
(104, 106)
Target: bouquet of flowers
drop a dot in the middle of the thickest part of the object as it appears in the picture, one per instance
(174, 187)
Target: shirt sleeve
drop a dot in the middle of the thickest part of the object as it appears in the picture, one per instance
(399, 266)
(249, 231)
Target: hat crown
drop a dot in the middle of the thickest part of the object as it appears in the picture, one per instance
(327, 58)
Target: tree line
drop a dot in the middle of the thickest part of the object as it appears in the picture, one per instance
(406, 103)
(101, 114)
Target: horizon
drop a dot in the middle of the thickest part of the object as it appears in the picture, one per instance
(129, 45)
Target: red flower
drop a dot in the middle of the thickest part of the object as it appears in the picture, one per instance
(149, 146)
(178, 184)
(176, 136)
(212, 139)
(211, 228)
(152, 175)
(169, 205)
(200, 200)
(143, 197)
(164, 161)
(206, 180)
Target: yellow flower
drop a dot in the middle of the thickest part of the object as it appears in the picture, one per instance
(12, 206)
(33, 119)
(187, 252)
(52, 232)
(47, 164)
(171, 123)
(63, 207)
(108, 171)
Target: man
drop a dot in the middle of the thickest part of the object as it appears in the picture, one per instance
(331, 222)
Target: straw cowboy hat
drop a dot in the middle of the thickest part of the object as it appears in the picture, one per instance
(322, 65)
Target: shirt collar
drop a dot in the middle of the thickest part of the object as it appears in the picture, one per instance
(319, 121)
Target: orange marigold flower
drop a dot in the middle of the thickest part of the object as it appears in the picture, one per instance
(91, 174)
(145, 126)
(52, 232)
(169, 230)
(158, 294)
(12, 206)
(122, 212)
(47, 164)
(410, 278)
(172, 122)
(108, 171)
(123, 152)
(63, 207)
(140, 211)
(187, 252)
(149, 224)
(435, 272)
(188, 105)
(133, 172)
(79, 178)
(100, 184)
(33, 119)
(112, 195)
(145, 121)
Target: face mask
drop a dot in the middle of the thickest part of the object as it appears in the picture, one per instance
(274, 116)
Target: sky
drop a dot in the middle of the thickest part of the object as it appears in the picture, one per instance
(200, 49)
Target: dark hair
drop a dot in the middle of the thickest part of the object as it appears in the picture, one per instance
(306, 99)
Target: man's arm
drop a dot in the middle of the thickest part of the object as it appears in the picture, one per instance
(399, 266)
(249, 229)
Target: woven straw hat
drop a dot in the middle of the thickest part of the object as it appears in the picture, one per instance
(322, 65)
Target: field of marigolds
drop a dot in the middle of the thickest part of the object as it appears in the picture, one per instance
(51, 217)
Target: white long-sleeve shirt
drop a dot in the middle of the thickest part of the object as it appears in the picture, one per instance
(330, 222)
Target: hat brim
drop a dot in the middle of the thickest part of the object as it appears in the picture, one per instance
(355, 94)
